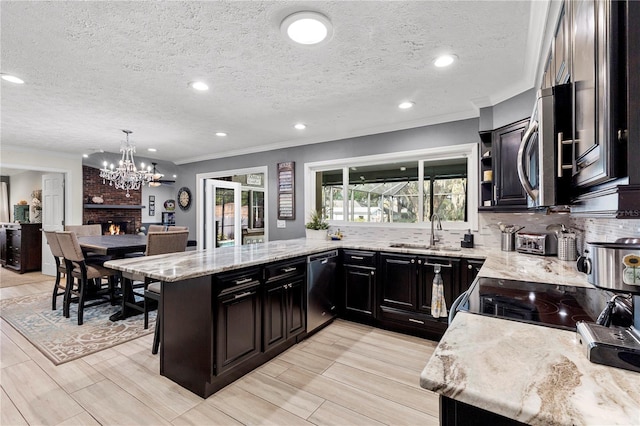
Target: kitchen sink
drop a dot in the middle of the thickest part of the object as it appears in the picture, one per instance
(424, 247)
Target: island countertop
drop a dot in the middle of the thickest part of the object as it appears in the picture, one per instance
(533, 374)
(191, 264)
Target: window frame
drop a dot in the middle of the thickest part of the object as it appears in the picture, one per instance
(468, 151)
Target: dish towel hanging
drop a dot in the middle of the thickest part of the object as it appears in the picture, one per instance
(438, 304)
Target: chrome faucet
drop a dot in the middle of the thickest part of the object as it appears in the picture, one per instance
(434, 240)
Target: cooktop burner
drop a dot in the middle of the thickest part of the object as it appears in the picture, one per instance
(544, 304)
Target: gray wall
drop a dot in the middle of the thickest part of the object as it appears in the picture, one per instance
(454, 133)
(507, 112)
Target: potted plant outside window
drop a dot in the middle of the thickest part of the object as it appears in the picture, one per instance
(316, 228)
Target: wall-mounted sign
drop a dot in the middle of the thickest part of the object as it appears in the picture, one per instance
(286, 188)
(254, 179)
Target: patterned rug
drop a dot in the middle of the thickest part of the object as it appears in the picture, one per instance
(62, 339)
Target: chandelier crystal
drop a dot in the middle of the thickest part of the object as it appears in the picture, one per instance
(126, 176)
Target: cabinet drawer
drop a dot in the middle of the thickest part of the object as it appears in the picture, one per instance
(241, 278)
(413, 319)
(359, 257)
(291, 268)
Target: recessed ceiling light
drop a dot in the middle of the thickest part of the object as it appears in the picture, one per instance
(12, 79)
(444, 60)
(221, 134)
(300, 126)
(85, 155)
(199, 85)
(406, 105)
(175, 176)
(307, 27)
(403, 168)
(151, 149)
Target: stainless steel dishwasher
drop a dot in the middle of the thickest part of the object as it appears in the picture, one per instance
(321, 278)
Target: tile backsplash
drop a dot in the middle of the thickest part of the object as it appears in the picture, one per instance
(488, 234)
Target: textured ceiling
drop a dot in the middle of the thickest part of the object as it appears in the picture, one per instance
(93, 68)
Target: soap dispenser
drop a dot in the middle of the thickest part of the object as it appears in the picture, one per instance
(467, 242)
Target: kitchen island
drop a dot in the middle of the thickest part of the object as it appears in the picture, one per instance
(478, 358)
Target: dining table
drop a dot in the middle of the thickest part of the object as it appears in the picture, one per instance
(118, 246)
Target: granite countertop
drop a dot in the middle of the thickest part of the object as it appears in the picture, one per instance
(534, 374)
(191, 264)
(531, 373)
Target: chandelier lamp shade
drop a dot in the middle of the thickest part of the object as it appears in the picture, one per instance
(126, 176)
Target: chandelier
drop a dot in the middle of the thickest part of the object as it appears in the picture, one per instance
(126, 176)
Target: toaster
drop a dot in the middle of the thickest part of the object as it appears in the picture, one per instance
(540, 244)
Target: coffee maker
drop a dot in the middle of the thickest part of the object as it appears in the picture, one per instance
(614, 267)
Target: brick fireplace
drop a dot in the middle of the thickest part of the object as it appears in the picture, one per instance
(116, 210)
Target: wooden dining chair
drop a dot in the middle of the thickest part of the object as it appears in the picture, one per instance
(61, 269)
(79, 272)
(160, 243)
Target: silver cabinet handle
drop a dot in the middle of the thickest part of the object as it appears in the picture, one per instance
(419, 261)
(357, 257)
(469, 267)
(373, 272)
(444, 265)
(289, 269)
(242, 281)
(413, 261)
(246, 293)
(416, 321)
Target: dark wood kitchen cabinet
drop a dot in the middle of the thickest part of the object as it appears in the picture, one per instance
(598, 76)
(21, 246)
(405, 292)
(449, 271)
(505, 145)
(359, 277)
(469, 269)
(238, 319)
(284, 299)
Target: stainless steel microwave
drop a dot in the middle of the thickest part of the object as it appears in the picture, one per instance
(543, 150)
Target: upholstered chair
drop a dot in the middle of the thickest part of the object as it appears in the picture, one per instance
(79, 272)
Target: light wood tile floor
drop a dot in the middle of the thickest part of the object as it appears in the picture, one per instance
(347, 374)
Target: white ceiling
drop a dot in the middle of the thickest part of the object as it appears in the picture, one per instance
(94, 68)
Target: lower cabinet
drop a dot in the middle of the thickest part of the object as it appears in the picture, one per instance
(406, 289)
(239, 320)
(284, 315)
(359, 279)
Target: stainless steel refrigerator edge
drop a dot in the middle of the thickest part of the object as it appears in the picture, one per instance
(321, 277)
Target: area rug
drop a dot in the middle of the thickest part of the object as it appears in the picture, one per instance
(61, 339)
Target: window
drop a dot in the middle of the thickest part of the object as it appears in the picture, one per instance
(397, 189)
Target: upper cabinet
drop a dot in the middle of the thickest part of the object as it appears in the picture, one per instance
(500, 188)
(597, 65)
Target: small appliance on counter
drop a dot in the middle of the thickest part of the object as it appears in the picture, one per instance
(614, 267)
(534, 243)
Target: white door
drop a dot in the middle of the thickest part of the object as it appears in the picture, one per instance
(52, 215)
(223, 213)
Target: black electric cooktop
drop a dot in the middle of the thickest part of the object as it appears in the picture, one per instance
(538, 303)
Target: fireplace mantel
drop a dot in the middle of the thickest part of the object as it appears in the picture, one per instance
(114, 206)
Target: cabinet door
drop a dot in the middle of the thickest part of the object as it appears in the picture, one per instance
(239, 330)
(360, 284)
(450, 281)
(275, 316)
(399, 281)
(296, 318)
(469, 269)
(599, 86)
(3, 246)
(509, 190)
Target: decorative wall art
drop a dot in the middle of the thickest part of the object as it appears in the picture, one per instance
(286, 191)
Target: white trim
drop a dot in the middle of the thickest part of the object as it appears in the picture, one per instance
(470, 151)
(200, 181)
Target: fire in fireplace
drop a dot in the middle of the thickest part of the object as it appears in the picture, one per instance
(117, 226)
